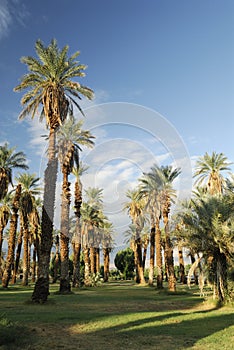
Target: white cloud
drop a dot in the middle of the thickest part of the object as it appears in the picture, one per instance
(11, 11)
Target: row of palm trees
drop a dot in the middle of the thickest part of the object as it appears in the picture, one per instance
(203, 225)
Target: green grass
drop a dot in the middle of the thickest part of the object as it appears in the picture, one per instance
(114, 316)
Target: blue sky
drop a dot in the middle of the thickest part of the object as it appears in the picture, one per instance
(172, 58)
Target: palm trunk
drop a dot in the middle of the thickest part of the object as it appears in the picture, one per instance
(76, 263)
(152, 256)
(1, 241)
(12, 238)
(221, 277)
(158, 255)
(139, 261)
(77, 239)
(65, 286)
(56, 259)
(41, 289)
(97, 260)
(86, 266)
(181, 265)
(34, 263)
(169, 260)
(93, 259)
(106, 258)
(17, 255)
(26, 251)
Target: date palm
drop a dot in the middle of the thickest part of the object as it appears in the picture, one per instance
(76, 238)
(52, 91)
(209, 170)
(70, 139)
(9, 160)
(209, 230)
(107, 245)
(135, 208)
(29, 189)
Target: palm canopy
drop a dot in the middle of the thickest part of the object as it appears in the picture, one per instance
(70, 137)
(49, 83)
(30, 188)
(208, 170)
(94, 197)
(9, 160)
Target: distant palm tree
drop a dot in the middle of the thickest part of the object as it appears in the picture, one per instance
(209, 171)
(76, 238)
(135, 207)
(70, 139)
(50, 87)
(29, 189)
(9, 160)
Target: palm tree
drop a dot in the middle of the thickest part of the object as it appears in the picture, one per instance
(9, 160)
(29, 189)
(5, 212)
(150, 189)
(208, 170)
(50, 87)
(209, 228)
(76, 238)
(107, 244)
(12, 237)
(70, 137)
(135, 208)
(168, 175)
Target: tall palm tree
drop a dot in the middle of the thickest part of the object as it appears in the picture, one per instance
(29, 189)
(168, 175)
(9, 160)
(76, 238)
(209, 170)
(50, 88)
(12, 237)
(70, 138)
(135, 208)
(150, 189)
(107, 244)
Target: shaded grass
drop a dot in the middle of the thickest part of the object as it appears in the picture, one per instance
(120, 316)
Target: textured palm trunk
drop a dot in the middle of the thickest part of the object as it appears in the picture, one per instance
(106, 258)
(65, 286)
(1, 242)
(152, 256)
(76, 264)
(12, 238)
(17, 255)
(26, 254)
(77, 239)
(93, 259)
(221, 286)
(41, 289)
(181, 264)
(34, 263)
(86, 266)
(56, 260)
(158, 255)
(97, 259)
(140, 270)
(169, 260)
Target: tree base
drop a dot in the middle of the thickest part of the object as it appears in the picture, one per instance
(41, 291)
(65, 287)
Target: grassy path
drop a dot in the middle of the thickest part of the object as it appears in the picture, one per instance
(114, 316)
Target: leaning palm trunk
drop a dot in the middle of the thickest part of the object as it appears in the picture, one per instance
(41, 289)
(158, 255)
(12, 238)
(65, 286)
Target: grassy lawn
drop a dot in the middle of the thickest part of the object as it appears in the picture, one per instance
(114, 316)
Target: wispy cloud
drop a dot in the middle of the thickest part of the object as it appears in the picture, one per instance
(11, 11)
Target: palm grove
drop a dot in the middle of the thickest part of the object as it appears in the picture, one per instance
(204, 223)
